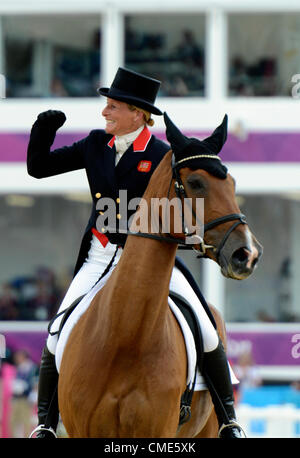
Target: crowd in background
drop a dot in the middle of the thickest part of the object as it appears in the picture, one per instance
(18, 394)
(182, 70)
(19, 382)
(181, 67)
(35, 297)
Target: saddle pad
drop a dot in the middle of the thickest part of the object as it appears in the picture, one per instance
(191, 351)
(188, 336)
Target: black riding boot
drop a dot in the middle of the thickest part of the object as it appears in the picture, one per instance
(217, 377)
(47, 395)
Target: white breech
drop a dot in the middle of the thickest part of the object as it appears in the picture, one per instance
(95, 264)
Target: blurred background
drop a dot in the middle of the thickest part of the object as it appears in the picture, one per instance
(239, 58)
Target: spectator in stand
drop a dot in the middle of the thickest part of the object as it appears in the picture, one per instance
(189, 50)
(57, 88)
(177, 87)
(240, 83)
(294, 397)
(8, 303)
(189, 77)
(23, 387)
(32, 297)
(44, 303)
(247, 373)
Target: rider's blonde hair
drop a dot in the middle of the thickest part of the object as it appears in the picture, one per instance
(147, 115)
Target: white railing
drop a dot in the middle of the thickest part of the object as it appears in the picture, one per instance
(269, 422)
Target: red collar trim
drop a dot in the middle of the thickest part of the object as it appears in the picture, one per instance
(140, 143)
(111, 141)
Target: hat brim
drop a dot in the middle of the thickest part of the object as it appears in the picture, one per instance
(107, 92)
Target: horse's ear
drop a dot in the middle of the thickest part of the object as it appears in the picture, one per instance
(177, 140)
(219, 136)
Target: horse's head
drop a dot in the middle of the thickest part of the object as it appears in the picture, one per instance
(200, 173)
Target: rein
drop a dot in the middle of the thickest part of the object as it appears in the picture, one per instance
(180, 192)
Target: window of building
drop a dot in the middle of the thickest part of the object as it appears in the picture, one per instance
(52, 56)
(263, 51)
(170, 48)
(272, 293)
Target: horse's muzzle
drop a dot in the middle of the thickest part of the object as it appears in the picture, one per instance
(239, 262)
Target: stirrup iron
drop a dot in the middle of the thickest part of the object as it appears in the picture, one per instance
(43, 428)
(232, 424)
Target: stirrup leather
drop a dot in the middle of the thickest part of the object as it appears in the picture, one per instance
(231, 424)
(43, 428)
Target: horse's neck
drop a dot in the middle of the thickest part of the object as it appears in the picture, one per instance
(147, 265)
(140, 282)
(140, 285)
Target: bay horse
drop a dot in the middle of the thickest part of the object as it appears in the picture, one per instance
(124, 366)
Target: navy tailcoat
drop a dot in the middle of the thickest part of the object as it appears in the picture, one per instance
(96, 154)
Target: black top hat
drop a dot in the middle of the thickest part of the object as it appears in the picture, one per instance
(133, 88)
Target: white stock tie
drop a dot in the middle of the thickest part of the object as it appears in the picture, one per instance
(123, 142)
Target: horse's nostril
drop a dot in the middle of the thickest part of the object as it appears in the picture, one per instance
(241, 256)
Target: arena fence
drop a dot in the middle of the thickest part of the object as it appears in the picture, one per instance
(270, 422)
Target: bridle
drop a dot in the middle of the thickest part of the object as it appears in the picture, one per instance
(180, 191)
(191, 239)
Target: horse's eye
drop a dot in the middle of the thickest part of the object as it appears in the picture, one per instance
(195, 183)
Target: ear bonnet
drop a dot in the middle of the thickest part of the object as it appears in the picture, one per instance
(198, 154)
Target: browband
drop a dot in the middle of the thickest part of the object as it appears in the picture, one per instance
(199, 156)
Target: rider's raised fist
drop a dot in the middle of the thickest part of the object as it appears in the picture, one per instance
(53, 119)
